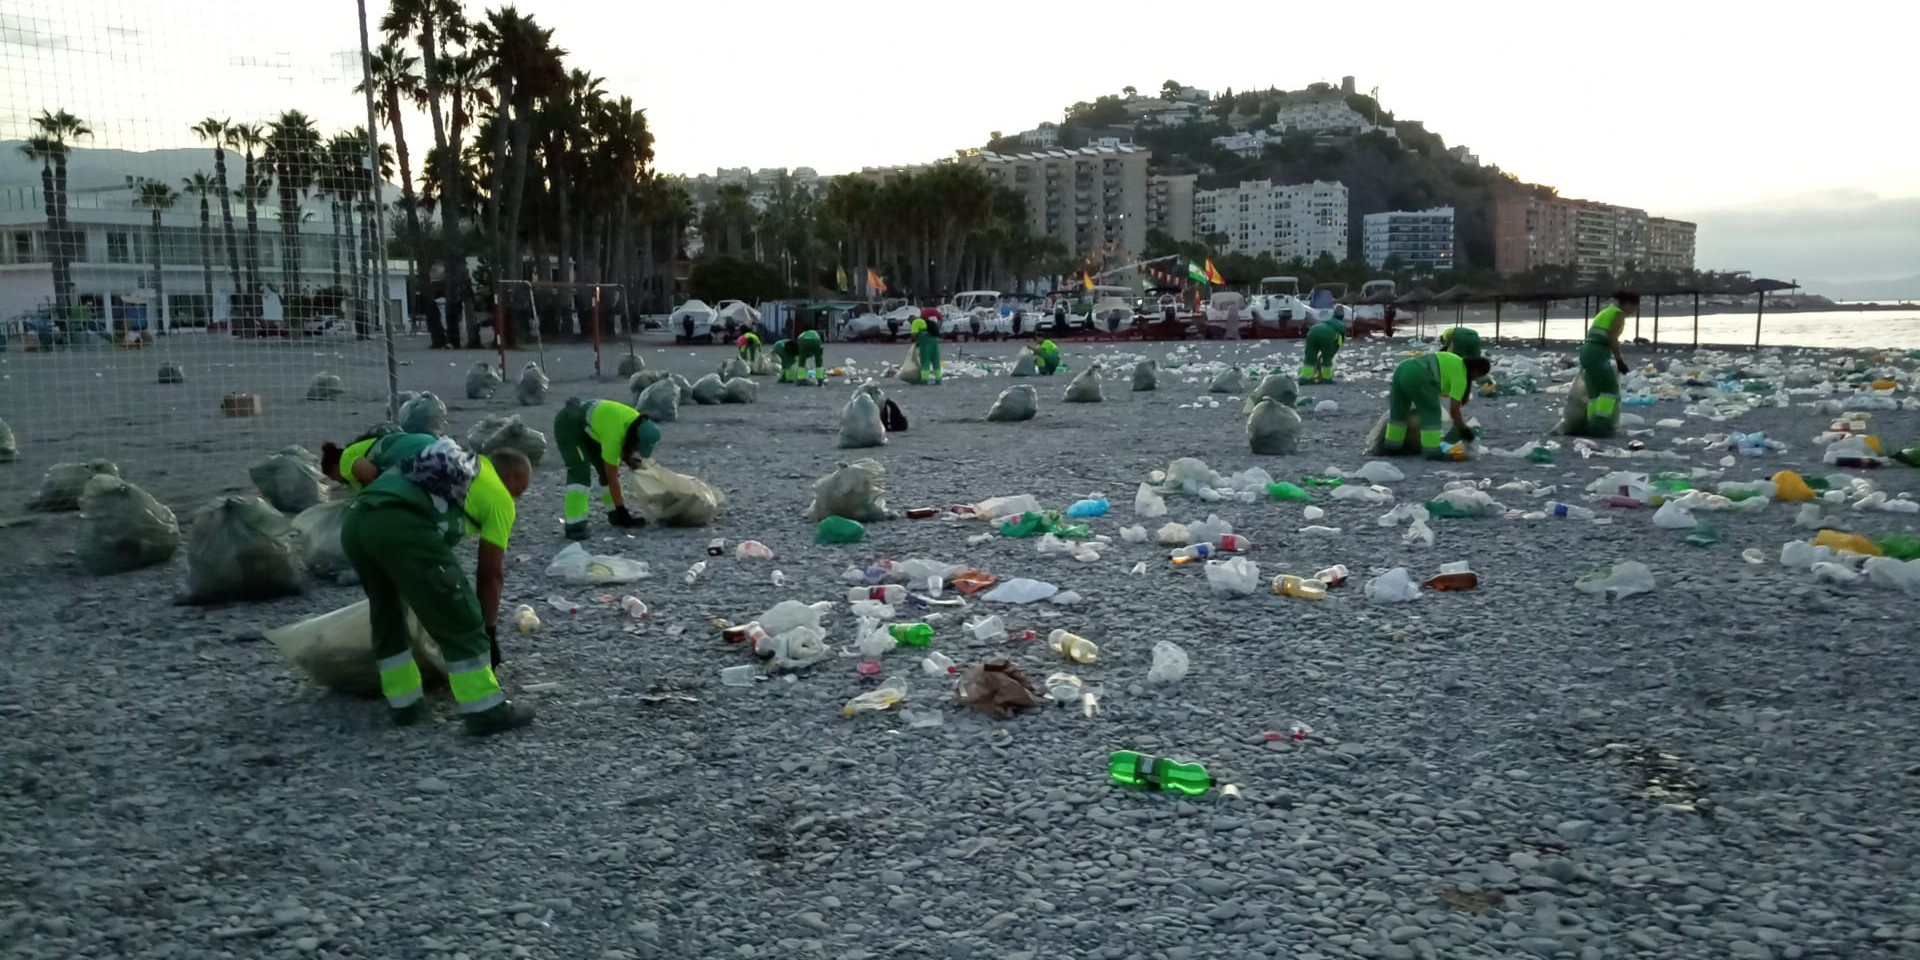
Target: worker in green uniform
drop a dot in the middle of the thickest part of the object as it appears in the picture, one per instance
(1417, 386)
(399, 535)
(1460, 341)
(1323, 341)
(361, 461)
(1047, 357)
(595, 438)
(749, 344)
(783, 354)
(809, 352)
(1602, 377)
(926, 346)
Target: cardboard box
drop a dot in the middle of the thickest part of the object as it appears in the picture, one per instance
(240, 405)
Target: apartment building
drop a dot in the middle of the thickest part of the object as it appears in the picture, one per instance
(1531, 231)
(1170, 204)
(1284, 220)
(1669, 244)
(1093, 199)
(1423, 240)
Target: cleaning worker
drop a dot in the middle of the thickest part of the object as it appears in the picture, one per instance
(595, 438)
(1418, 385)
(749, 344)
(362, 460)
(1460, 341)
(926, 346)
(1602, 379)
(399, 535)
(1323, 341)
(809, 352)
(1047, 357)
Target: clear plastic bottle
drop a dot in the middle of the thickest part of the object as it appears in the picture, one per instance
(1073, 647)
(633, 607)
(1287, 585)
(779, 578)
(1333, 576)
(525, 620)
(694, 572)
(891, 594)
(938, 664)
(1193, 552)
(563, 605)
(1571, 511)
(891, 691)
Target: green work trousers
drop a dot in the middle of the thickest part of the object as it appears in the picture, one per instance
(1416, 389)
(1047, 363)
(1603, 387)
(1320, 347)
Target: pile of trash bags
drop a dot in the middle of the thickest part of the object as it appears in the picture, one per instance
(496, 433)
(9, 447)
(1015, 404)
(290, 480)
(707, 390)
(739, 390)
(660, 401)
(531, 390)
(1279, 388)
(422, 413)
(61, 487)
(1025, 366)
(171, 372)
(860, 423)
(336, 651)
(1085, 388)
(123, 527)
(1146, 376)
(856, 491)
(481, 381)
(317, 534)
(734, 369)
(241, 548)
(325, 386)
(670, 499)
(1273, 428)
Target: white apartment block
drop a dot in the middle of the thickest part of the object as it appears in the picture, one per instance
(1250, 144)
(1041, 137)
(1421, 239)
(1285, 220)
(1093, 199)
(1325, 116)
(1669, 244)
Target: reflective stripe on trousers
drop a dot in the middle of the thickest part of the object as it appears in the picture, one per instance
(400, 680)
(474, 686)
(575, 503)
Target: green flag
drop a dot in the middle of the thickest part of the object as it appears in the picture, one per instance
(1196, 274)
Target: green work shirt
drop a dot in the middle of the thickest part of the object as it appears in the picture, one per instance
(1453, 376)
(1606, 325)
(352, 455)
(1333, 328)
(488, 511)
(1048, 346)
(607, 425)
(813, 335)
(783, 349)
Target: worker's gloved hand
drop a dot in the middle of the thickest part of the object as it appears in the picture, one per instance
(1466, 435)
(619, 517)
(1620, 365)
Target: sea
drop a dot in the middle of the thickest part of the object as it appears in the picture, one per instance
(1833, 329)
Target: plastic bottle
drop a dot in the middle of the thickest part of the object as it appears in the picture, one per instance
(634, 607)
(1234, 543)
(563, 605)
(738, 676)
(779, 578)
(890, 692)
(1449, 582)
(1333, 576)
(1571, 511)
(872, 648)
(525, 620)
(911, 634)
(1858, 463)
(694, 572)
(938, 664)
(750, 550)
(1287, 585)
(889, 594)
(1134, 769)
(1073, 647)
(741, 633)
(716, 546)
(1624, 502)
(992, 628)
(1089, 508)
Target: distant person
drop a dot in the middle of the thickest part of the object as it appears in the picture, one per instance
(749, 344)
(1602, 378)
(1324, 340)
(596, 438)
(1046, 357)
(1460, 341)
(926, 347)
(1233, 321)
(1418, 385)
(398, 534)
(808, 352)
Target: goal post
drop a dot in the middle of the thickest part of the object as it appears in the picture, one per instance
(568, 308)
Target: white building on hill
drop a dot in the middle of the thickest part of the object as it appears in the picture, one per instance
(1285, 220)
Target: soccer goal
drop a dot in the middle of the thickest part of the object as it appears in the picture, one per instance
(528, 312)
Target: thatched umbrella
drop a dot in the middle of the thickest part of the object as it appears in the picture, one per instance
(1764, 286)
(1459, 295)
(1416, 300)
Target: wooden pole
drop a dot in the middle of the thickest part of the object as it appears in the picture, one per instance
(1696, 319)
(1656, 319)
(1757, 317)
(1497, 301)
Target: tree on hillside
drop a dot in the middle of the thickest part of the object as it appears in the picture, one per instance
(1170, 90)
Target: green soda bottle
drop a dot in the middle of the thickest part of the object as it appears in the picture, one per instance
(1540, 455)
(1282, 490)
(1133, 769)
(912, 634)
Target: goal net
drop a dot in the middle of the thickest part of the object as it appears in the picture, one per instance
(530, 315)
(193, 271)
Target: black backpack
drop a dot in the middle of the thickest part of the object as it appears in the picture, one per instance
(892, 418)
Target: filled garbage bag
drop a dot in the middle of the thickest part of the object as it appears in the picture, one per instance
(9, 447)
(324, 386)
(641, 380)
(860, 424)
(763, 365)
(481, 381)
(1146, 376)
(733, 369)
(531, 390)
(1230, 380)
(574, 565)
(1085, 388)
(123, 528)
(1376, 443)
(336, 651)
(1015, 404)
(290, 482)
(171, 372)
(661, 401)
(63, 483)
(1025, 366)
(1273, 428)
(670, 499)
(856, 491)
(240, 548)
(425, 413)
(1278, 387)
(631, 364)
(707, 390)
(317, 536)
(496, 433)
(909, 371)
(1573, 416)
(739, 390)
(996, 688)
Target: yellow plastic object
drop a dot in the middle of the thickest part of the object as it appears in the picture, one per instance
(1073, 647)
(1304, 588)
(1790, 487)
(1872, 442)
(1885, 385)
(1848, 542)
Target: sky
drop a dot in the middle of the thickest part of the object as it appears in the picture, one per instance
(1763, 121)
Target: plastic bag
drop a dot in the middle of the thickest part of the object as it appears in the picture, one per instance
(733, 369)
(1281, 389)
(994, 508)
(857, 491)
(317, 534)
(1025, 366)
(531, 390)
(482, 379)
(1148, 503)
(1146, 376)
(763, 365)
(1273, 429)
(670, 499)
(1394, 586)
(495, 433)
(574, 565)
(660, 401)
(860, 424)
(1573, 416)
(1189, 475)
(324, 386)
(1377, 471)
(289, 482)
(1020, 590)
(997, 689)
(641, 380)
(425, 413)
(909, 371)
(1618, 581)
(1173, 535)
(1362, 495)
(630, 364)
(1376, 442)
(9, 447)
(336, 651)
(241, 548)
(1233, 577)
(839, 530)
(707, 390)
(1230, 380)
(1169, 663)
(171, 372)
(1210, 530)
(1085, 387)
(61, 487)
(1016, 404)
(123, 528)
(1673, 516)
(739, 390)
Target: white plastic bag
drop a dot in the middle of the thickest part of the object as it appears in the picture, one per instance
(1394, 586)
(1233, 577)
(1148, 503)
(1379, 471)
(1355, 493)
(788, 614)
(574, 565)
(1173, 535)
(1169, 662)
(1673, 516)
(1134, 534)
(993, 508)
(860, 424)
(1020, 590)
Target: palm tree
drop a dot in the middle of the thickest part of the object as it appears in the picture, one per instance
(730, 214)
(43, 148)
(155, 195)
(519, 58)
(434, 22)
(201, 187)
(216, 132)
(55, 130)
(464, 81)
(391, 69)
(293, 151)
(249, 137)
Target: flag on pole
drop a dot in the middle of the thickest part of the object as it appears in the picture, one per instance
(840, 274)
(1196, 274)
(874, 282)
(1213, 276)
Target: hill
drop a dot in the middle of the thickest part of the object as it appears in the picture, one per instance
(92, 170)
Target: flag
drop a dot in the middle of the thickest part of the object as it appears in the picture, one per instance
(840, 274)
(1086, 280)
(1213, 276)
(1196, 274)
(874, 283)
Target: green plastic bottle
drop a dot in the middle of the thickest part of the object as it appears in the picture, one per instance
(1322, 481)
(1540, 455)
(1442, 510)
(1702, 536)
(1287, 491)
(1133, 769)
(1899, 547)
(912, 634)
(839, 530)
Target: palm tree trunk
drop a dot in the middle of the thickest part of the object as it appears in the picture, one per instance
(455, 265)
(338, 251)
(496, 218)
(290, 252)
(158, 321)
(458, 290)
(56, 241)
(206, 256)
(416, 252)
(563, 205)
(226, 216)
(516, 189)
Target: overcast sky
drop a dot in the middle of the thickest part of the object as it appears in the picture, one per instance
(1743, 115)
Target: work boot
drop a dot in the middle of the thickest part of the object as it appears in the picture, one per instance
(410, 714)
(500, 718)
(577, 531)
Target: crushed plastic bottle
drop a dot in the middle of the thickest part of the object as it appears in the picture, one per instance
(1333, 576)
(693, 573)
(1303, 588)
(634, 608)
(1132, 769)
(912, 634)
(1169, 662)
(563, 605)
(525, 620)
(1571, 511)
(1617, 582)
(892, 594)
(891, 691)
(938, 664)
(1073, 647)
